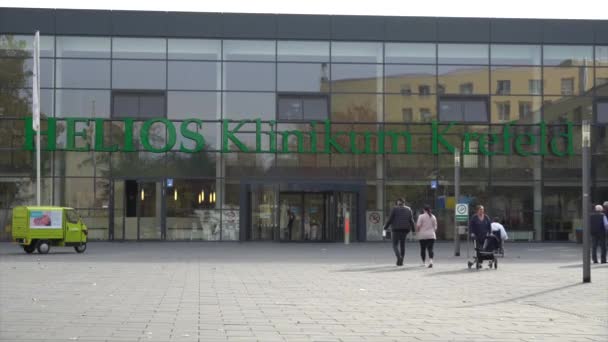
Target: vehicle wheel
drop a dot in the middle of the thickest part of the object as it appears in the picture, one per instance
(80, 248)
(43, 247)
(29, 249)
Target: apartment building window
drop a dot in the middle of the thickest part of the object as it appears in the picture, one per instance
(503, 87)
(424, 90)
(406, 90)
(504, 111)
(535, 87)
(525, 109)
(567, 86)
(466, 88)
(306, 107)
(408, 114)
(425, 115)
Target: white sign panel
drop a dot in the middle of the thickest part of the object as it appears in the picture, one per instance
(375, 223)
(46, 219)
(462, 212)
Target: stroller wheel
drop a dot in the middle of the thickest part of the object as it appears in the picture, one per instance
(470, 264)
(496, 264)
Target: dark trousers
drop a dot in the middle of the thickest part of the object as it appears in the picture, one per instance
(599, 240)
(426, 245)
(399, 242)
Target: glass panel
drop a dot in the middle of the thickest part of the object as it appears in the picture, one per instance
(119, 209)
(240, 164)
(561, 211)
(263, 214)
(195, 49)
(524, 109)
(12, 135)
(199, 105)
(466, 110)
(356, 52)
(567, 81)
(75, 193)
(561, 109)
(82, 73)
(314, 217)
(601, 56)
(364, 78)
(303, 108)
(249, 50)
(409, 79)
(516, 80)
(138, 105)
(191, 213)
(83, 47)
(356, 107)
(602, 112)
(415, 166)
(513, 206)
(239, 106)
(422, 108)
(464, 80)
(291, 211)
(83, 103)
(297, 77)
(297, 51)
(567, 55)
(410, 53)
(601, 82)
(131, 204)
(140, 48)
(249, 76)
(139, 75)
(22, 46)
(23, 68)
(199, 164)
(25, 95)
(516, 54)
(194, 75)
(138, 164)
(150, 210)
(463, 54)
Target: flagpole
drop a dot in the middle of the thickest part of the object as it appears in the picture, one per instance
(36, 109)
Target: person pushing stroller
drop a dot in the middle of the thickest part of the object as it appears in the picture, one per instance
(480, 228)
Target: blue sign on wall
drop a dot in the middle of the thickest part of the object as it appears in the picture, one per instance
(169, 182)
(433, 184)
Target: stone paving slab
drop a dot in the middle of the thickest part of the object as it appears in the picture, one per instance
(198, 291)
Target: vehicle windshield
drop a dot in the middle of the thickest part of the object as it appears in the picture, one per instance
(72, 216)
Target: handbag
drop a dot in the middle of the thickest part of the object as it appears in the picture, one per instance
(386, 234)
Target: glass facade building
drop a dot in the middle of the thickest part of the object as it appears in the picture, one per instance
(372, 91)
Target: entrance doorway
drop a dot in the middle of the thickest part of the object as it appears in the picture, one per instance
(302, 216)
(138, 210)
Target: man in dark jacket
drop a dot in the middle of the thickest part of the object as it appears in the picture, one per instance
(401, 221)
(597, 227)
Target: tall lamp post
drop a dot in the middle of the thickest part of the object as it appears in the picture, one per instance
(456, 197)
(586, 135)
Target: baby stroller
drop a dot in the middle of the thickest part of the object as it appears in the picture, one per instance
(500, 249)
(485, 252)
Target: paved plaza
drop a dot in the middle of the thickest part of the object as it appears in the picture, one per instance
(180, 291)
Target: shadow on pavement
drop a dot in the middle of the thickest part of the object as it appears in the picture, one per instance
(454, 272)
(581, 265)
(534, 294)
(398, 269)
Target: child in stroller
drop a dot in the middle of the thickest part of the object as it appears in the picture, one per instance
(485, 252)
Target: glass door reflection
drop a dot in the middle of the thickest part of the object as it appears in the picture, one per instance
(291, 216)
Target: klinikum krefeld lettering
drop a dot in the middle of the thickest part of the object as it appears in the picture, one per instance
(314, 137)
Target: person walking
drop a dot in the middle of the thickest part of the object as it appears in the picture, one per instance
(401, 221)
(598, 224)
(480, 226)
(426, 226)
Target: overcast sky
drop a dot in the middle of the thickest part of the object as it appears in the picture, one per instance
(580, 9)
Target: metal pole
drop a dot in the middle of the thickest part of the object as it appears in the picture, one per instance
(586, 134)
(38, 167)
(456, 196)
